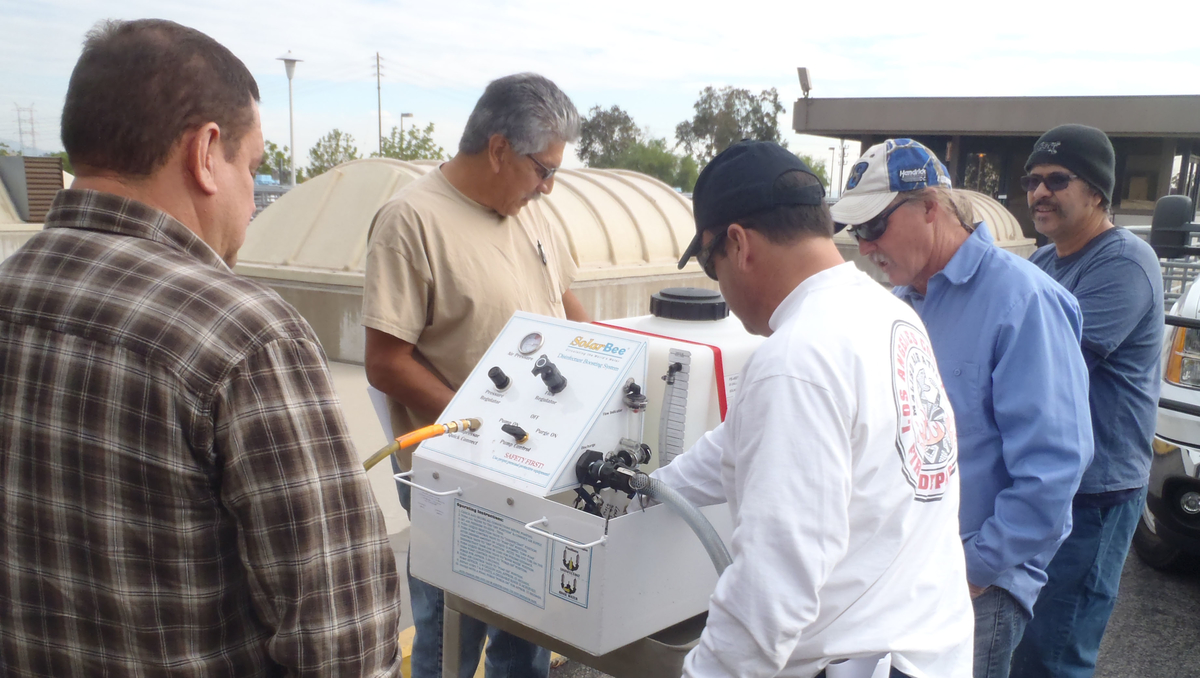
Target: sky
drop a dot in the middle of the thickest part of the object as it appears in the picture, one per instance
(650, 57)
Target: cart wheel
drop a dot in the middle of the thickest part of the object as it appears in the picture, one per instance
(1153, 550)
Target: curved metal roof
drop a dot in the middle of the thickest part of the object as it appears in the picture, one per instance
(1005, 228)
(617, 223)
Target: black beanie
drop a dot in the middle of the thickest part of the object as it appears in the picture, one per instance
(1084, 150)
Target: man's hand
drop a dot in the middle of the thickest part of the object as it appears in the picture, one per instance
(976, 591)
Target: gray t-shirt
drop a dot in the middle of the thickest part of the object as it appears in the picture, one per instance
(1117, 280)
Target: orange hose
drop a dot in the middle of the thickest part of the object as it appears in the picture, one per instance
(421, 434)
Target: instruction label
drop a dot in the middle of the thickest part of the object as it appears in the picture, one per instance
(571, 573)
(499, 551)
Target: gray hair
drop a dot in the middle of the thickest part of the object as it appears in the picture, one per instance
(952, 201)
(527, 109)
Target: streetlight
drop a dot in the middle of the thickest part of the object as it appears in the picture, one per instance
(402, 117)
(289, 64)
(832, 159)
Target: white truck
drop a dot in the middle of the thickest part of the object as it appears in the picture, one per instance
(1168, 535)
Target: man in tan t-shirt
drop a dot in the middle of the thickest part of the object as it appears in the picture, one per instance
(451, 257)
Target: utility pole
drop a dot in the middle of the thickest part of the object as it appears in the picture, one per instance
(21, 128)
(379, 98)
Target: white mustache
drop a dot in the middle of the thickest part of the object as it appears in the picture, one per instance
(879, 259)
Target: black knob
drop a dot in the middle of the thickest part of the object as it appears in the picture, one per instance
(516, 432)
(499, 378)
(545, 369)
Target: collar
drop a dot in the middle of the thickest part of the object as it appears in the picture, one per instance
(842, 274)
(90, 210)
(962, 265)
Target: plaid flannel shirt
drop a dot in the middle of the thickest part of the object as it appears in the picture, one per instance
(179, 491)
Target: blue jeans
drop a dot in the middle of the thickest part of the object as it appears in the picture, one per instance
(507, 655)
(1073, 608)
(999, 622)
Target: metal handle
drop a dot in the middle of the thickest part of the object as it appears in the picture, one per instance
(403, 478)
(562, 540)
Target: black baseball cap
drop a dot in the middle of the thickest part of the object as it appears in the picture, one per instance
(740, 181)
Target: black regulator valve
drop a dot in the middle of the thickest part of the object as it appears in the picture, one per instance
(499, 378)
(549, 373)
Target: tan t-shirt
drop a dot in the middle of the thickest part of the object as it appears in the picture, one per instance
(445, 273)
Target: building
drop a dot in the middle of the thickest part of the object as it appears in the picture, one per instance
(985, 141)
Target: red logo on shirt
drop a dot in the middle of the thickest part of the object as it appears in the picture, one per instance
(925, 438)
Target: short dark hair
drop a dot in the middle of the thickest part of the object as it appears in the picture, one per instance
(141, 85)
(788, 223)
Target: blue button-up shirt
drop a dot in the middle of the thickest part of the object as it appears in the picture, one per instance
(1006, 338)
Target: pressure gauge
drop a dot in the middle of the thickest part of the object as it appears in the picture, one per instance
(531, 343)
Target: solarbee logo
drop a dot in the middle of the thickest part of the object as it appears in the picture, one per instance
(596, 347)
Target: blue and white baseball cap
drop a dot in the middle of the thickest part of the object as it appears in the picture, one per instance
(883, 172)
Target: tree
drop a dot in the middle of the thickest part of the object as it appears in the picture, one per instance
(819, 168)
(416, 145)
(610, 139)
(330, 151)
(606, 135)
(653, 157)
(5, 149)
(725, 117)
(276, 161)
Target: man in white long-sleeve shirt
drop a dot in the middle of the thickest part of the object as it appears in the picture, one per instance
(838, 456)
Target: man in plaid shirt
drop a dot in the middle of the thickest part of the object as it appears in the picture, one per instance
(178, 489)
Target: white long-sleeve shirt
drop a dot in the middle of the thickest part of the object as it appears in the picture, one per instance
(838, 460)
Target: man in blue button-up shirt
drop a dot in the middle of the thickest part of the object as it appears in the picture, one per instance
(1006, 337)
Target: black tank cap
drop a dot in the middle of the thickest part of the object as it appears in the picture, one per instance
(688, 303)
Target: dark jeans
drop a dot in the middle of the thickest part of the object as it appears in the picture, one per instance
(507, 655)
(1073, 608)
(999, 622)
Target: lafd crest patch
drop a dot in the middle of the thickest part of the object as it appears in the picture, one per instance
(925, 437)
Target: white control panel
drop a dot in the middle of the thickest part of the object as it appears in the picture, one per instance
(546, 391)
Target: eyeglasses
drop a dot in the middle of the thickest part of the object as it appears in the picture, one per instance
(704, 256)
(546, 173)
(1055, 181)
(870, 231)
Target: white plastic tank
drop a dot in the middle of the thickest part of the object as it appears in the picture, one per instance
(695, 356)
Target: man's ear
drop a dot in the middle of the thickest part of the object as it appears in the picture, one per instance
(200, 147)
(496, 149)
(738, 247)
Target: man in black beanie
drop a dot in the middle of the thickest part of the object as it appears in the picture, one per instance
(1115, 276)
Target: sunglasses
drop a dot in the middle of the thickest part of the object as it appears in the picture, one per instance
(870, 231)
(546, 173)
(704, 256)
(1055, 181)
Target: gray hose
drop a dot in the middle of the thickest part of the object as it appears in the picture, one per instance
(662, 493)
